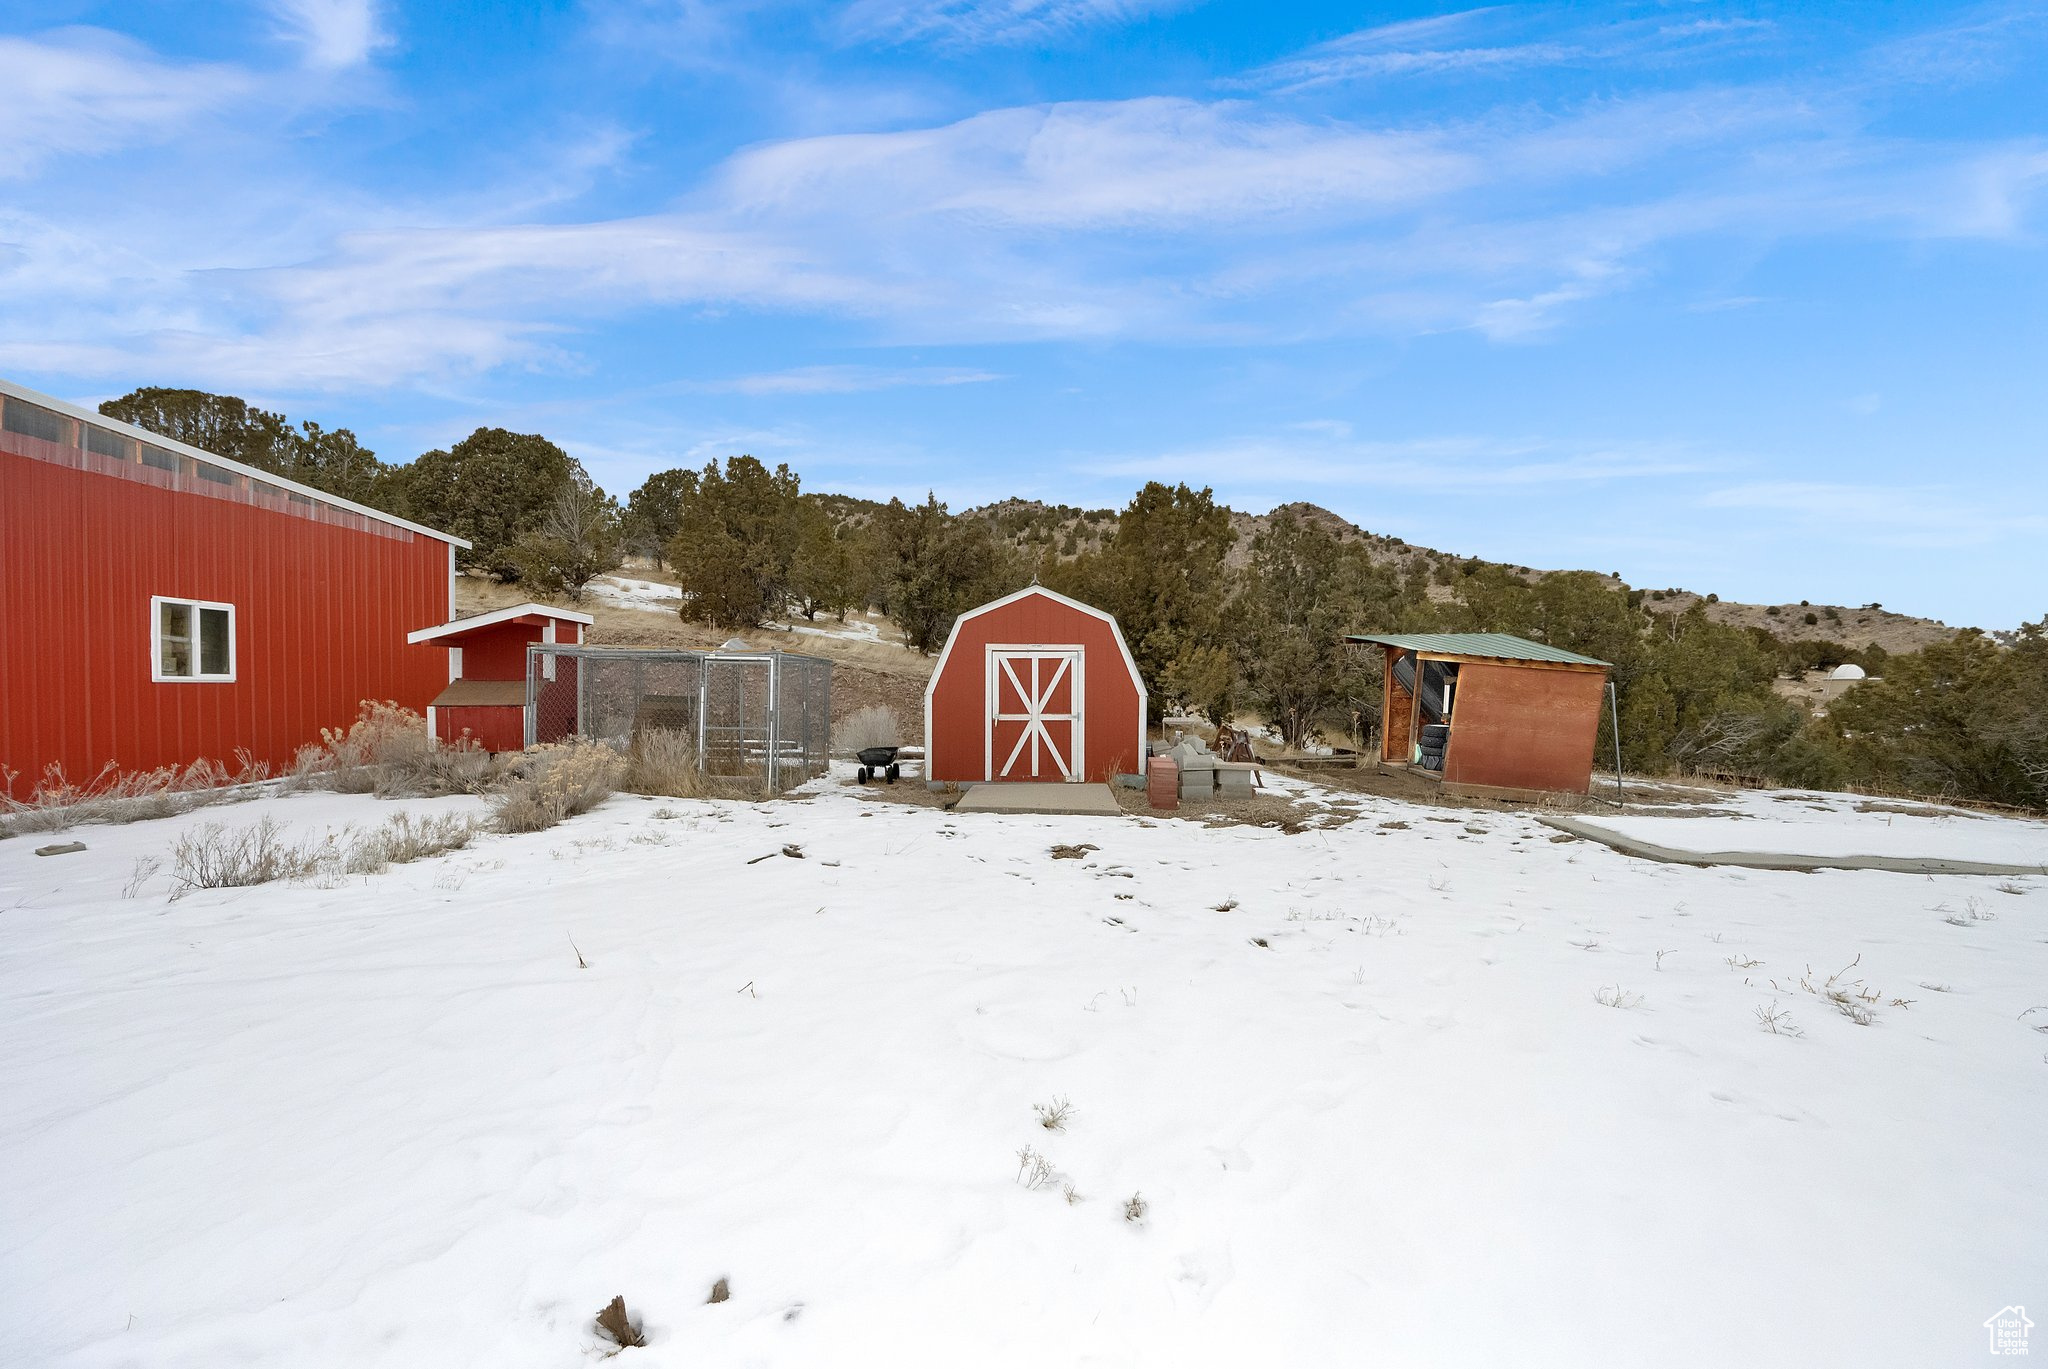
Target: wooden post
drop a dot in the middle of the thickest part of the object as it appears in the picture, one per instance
(1415, 708)
(1386, 702)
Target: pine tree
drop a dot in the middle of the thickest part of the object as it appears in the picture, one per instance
(932, 567)
(655, 511)
(734, 541)
(1162, 576)
(490, 488)
(1301, 593)
(331, 460)
(575, 541)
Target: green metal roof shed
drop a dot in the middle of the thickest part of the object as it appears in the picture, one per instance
(1491, 646)
(1487, 713)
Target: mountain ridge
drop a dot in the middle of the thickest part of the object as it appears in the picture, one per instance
(1066, 531)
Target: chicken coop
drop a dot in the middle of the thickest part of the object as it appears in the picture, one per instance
(485, 699)
(766, 713)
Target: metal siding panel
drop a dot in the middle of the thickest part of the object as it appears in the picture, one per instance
(321, 617)
(1525, 729)
(496, 653)
(493, 727)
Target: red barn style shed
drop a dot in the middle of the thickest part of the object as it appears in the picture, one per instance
(160, 605)
(486, 695)
(1034, 687)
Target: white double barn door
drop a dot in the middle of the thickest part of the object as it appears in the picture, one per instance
(1035, 705)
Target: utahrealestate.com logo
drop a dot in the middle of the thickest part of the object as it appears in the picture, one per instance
(2008, 1327)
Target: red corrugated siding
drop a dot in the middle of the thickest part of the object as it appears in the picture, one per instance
(490, 726)
(321, 613)
(959, 698)
(497, 652)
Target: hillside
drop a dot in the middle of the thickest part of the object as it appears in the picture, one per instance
(1065, 532)
(1047, 533)
(1836, 623)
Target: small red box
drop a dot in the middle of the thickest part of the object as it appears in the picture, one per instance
(1162, 782)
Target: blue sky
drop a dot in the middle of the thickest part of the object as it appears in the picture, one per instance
(1749, 299)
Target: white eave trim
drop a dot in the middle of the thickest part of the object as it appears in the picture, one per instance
(496, 616)
(70, 410)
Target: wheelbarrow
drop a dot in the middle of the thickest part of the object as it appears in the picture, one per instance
(879, 763)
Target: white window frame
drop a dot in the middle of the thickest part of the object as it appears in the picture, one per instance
(156, 641)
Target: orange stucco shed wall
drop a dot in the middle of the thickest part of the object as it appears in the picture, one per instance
(1521, 727)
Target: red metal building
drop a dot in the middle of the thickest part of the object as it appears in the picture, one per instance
(1034, 687)
(162, 605)
(485, 700)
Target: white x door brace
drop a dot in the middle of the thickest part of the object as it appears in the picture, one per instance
(1041, 688)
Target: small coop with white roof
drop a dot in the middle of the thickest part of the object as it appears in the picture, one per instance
(485, 701)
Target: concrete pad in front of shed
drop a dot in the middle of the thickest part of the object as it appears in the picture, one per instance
(1039, 798)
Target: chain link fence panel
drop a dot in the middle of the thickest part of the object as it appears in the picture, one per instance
(749, 713)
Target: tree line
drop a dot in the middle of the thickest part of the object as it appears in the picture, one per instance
(528, 509)
(1217, 628)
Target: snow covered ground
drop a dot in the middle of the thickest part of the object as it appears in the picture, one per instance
(1835, 825)
(625, 592)
(1361, 1075)
(856, 628)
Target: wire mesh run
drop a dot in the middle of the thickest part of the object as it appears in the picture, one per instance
(765, 713)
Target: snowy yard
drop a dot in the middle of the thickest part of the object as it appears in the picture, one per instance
(1810, 824)
(1370, 1081)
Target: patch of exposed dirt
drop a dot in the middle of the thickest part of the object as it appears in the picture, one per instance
(1261, 810)
(855, 687)
(908, 793)
(1913, 810)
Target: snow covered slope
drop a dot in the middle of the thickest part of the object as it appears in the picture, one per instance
(627, 592)
(1362, 1076)
(1830, 825)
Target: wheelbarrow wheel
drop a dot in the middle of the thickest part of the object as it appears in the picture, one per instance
(893, 771)
(863, 774)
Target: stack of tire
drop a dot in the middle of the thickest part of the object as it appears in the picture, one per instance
(1435, 737)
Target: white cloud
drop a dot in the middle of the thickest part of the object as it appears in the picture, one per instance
(842, 380)
(1508, 320)
(83, 92)
(1694, 28)
(1491, 41)
(1981, 44)
(967, 23)
(1411, 48)
(1151, 161)
(335, 34)
(1157, 218)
